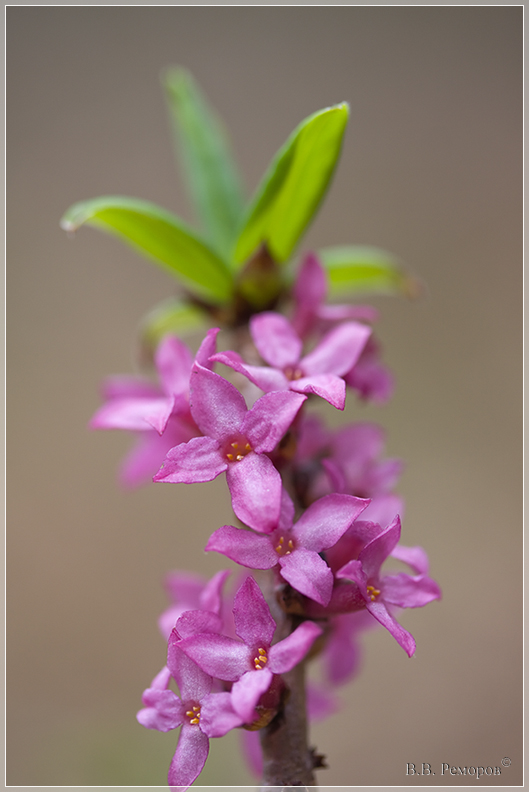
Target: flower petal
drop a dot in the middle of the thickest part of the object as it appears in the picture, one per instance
(255, 487)
(216, 405)
(247, 691)
(378, 549)
(207, 348)
(244, 547)
(137, 415)
(275, 339)
(173, 362)
(193, 682)
(328, 386)
(326, 520)
(253, 621)
(266, 378)
(194, 622)
(270, 418)
(211, 596)
(415, 557)
(402, 636)
(163, 710)
(409, 592)
(283, 656)
(199, 459)
(217, 715)
(189, 759)
(217, 655)
(310, 290)
(150, 450)
(338, 351)
(308, 573)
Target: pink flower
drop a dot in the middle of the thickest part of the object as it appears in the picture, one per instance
(320, 372)
(295, 549)
(191, 592)
(370, 377)
(310, 293)
(159, 415)
(251, 664)
(201, 714)
(381, 594)
(347, 460)
(235, 440)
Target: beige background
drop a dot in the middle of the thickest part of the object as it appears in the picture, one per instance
(431, 170)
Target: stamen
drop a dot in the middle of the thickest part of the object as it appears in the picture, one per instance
(236, 450)
(261, 659)
(194, 715)
(373, 592)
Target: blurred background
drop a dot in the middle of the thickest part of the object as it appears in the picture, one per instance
(432, 171)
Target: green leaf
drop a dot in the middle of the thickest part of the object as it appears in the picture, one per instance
(358, 268)
(205, 154)
(171, 316)
(160, 236)
(294, 186)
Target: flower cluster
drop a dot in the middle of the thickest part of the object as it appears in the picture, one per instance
(317, 512)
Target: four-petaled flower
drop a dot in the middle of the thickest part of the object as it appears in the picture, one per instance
(158, 414)
(294, 548)
(235, 440)
(381, 594)
(252, 662)
(320, 372)
(201, 714)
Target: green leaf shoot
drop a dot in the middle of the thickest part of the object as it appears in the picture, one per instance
(162, 237)
(205, 155)
(362, 269)
(294, 186)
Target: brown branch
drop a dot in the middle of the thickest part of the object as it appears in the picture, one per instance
(287, 758)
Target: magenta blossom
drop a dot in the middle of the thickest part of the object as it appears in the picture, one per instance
(201, 714)
(158, 414)
(381, 594)
(236, 440)
(372, 380)
(191, 592)
(346, 460)
(310, 293)
(320, 372)
(294, 549)
(250, 665)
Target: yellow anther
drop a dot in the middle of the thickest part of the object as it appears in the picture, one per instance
(291, 544)
(263, 659)
(247, 447)
(262, 651)
(230, 457)
(373, 592)
(190, 714)
(196, 709)
(234, 445)
(238, 457)
(194, 720)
